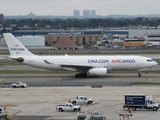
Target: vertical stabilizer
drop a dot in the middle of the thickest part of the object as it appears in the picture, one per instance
(15, 47)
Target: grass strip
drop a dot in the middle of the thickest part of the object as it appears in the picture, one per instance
(145, 83)
(35, 72)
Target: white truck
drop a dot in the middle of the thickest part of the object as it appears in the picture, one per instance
(140, 101)
(68, 107)
(81, 100)
(19, 84)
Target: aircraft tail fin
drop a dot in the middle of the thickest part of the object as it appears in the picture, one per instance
(15, 47)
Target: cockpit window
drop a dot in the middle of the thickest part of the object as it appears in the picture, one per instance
(149, 60)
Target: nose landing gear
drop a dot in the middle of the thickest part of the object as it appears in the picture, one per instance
(139, 74)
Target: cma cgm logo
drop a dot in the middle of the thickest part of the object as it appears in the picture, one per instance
(123, 61)
(17, 49)
(98, 61)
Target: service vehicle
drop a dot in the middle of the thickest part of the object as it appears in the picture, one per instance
(140, 101)
(81, 100)
(19, 84)
(97, 116)
(68, 107)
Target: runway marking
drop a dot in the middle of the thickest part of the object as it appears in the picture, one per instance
(116, 79)
(150, 79)
(59, 79)
(2, 79)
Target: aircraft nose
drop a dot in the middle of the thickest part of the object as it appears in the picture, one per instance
(156, 63)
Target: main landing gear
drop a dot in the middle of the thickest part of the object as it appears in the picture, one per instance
(139, 74)
(81, 75)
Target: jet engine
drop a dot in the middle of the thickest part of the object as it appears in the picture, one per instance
(98, 71)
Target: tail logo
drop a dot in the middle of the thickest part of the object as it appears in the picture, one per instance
(17, 49)
(18, 52)
(16, 45)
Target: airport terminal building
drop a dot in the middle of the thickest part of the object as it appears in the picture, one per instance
(80, 37)
(90, 37)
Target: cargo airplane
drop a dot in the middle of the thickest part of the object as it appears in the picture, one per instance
(97, 65)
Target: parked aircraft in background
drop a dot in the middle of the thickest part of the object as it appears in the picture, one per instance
(97, 65)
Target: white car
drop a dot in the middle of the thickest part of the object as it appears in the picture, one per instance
(19, 84)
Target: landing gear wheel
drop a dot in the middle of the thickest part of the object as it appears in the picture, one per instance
(77, 75)
(139, 74)
(81, 75)
(84, 74)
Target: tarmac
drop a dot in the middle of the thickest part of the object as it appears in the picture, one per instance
(41, 102)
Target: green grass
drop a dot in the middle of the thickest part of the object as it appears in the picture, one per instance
(131, 71)
(145, 83)
(9, 62)
(35, 72)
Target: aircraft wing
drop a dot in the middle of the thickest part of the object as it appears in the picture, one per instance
(76, 67)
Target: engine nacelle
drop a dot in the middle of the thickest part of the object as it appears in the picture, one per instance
(98, 71)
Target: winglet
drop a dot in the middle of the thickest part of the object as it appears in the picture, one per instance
(15, 47)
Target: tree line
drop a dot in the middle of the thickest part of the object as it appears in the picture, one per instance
(81, 23)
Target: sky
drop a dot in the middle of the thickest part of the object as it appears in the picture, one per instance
(66, 7)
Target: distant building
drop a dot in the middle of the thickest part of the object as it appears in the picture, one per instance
(13, 25)
(136, 33)
(76, 13)
(36, 41)
(79, 39)
(1, 17)
(31, 16)
(93, 13)
(86, 13)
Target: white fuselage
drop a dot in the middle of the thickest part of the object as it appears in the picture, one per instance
(84, 64)
(111, 62)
